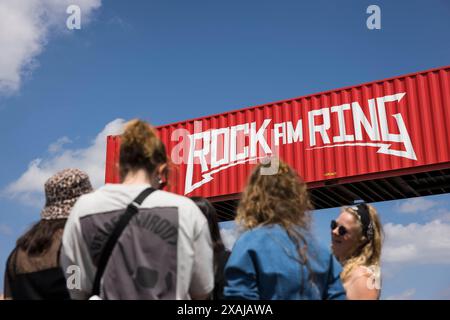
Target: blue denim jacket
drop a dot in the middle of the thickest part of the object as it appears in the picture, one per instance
(264, 265)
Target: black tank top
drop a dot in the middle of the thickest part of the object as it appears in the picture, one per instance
(46, 283)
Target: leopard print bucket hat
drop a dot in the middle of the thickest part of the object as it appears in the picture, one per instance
(62, 190)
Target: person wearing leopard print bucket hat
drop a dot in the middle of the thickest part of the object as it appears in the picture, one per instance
(33, 271)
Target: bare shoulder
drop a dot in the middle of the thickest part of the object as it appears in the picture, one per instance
(363, 284)
(362, 271)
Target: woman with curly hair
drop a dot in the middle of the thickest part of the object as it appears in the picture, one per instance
(357, 237)
(277, 257)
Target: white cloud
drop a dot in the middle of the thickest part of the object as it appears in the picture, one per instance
(443, 215)
(25, 28)
(57, 146)
(405, 295)
(5, 230)
(29, 187)
(417, 243)
(415, 205)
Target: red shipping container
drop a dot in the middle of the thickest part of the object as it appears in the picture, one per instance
(380, 129)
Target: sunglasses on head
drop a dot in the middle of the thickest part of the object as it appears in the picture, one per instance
(341, 229)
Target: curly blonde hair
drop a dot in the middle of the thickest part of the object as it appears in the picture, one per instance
(368, 251)
(280, 198)
(140, 148)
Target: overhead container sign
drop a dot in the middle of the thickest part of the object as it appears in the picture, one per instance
(397, 123)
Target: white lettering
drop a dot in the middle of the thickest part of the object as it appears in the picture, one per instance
(341, 120)
(279, 132)
(258, 136)
(220, 150)
(234, 140)
(74, 279)
(74, 20)
(322, 129)
(374, 20)
(403, 136)
(204, 137)
(295, 135)
(360, 119)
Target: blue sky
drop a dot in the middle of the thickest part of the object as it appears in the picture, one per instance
(62, 91)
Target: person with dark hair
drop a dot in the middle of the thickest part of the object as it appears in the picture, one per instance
(33, 271)
(277, 256)
(163, 251)
(221, 254)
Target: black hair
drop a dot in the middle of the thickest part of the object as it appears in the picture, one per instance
(211, 215)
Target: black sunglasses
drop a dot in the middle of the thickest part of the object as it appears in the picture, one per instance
(341, 229)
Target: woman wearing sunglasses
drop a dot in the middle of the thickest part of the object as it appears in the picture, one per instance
(356, 240)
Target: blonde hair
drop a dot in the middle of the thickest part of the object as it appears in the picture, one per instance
(140, 148)
(282, 199)
(368, 251)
